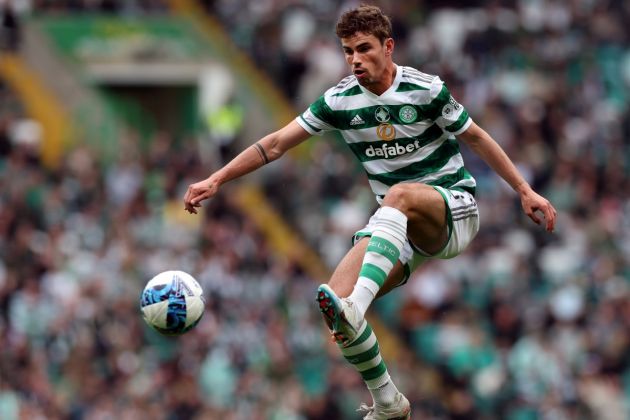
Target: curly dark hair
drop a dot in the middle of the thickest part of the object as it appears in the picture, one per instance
(367, 19)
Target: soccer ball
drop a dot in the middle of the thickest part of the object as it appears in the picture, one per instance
(172, 302)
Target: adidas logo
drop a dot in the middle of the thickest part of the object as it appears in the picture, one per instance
(357, 120)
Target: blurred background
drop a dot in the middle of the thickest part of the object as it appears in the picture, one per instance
(109, 109)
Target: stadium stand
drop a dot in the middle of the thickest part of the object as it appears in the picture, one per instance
(521, 326)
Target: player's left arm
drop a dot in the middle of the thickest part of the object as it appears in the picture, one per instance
(491, 152)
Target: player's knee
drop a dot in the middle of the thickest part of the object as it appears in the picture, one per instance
(399, 196)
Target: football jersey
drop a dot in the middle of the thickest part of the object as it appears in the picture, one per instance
(406, 134)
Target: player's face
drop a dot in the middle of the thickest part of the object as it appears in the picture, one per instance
(368, 57)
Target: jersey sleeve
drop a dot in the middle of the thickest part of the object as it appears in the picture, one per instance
(449, 114)
(318, 118)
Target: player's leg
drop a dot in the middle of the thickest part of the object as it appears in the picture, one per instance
(345, 275)
(441, 225)
(415, 211)
(356, 340)
(342, 283)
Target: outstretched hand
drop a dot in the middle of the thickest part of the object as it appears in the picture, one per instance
(533, 203)
(198, 192)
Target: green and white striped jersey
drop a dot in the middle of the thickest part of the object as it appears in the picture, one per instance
(407, 134)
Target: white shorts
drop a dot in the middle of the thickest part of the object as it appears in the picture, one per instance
(462, 217)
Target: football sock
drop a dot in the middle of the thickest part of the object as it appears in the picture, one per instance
(363, 353)
(384, 395)
(388, 237)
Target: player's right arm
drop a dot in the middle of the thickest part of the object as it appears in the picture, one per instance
(267, 149)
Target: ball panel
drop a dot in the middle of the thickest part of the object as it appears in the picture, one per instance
(155, 314)
(155, 293)
(195, 306)
(176, 315)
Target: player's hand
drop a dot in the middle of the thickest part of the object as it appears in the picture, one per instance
(198, 192)
(534, 203)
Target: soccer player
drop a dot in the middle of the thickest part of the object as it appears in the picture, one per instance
(403, 126)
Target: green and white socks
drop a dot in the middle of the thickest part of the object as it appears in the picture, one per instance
(383, 250)
(388, 238)
(364, 354)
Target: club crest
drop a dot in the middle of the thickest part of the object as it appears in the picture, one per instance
(407, 114)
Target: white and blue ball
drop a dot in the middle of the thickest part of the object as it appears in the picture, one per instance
(172, 302)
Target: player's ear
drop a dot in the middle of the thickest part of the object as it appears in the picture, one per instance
(389, 46)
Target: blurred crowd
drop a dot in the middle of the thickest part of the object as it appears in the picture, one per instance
(84, 6)
(77, 245)
(523, 325)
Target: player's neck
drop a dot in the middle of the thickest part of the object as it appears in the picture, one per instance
(387, 80)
